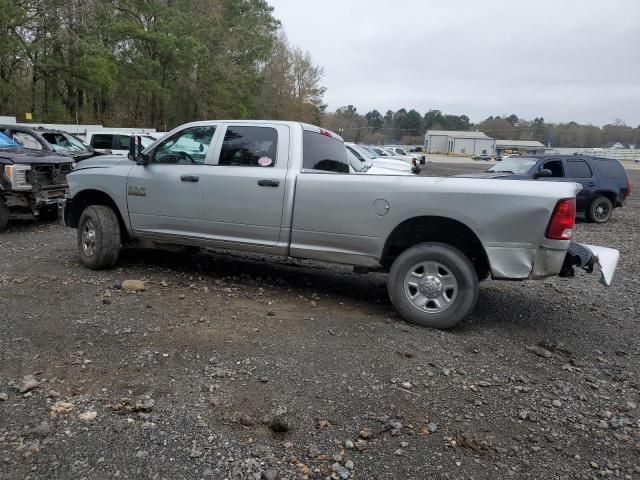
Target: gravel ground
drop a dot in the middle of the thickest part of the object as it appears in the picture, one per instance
(229, 366)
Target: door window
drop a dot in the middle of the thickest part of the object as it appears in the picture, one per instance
(123, 142)
(27, 141)
(102, 141)
(324, 153)
(579, 169)
(186, 147)
(249, 147)
(557, 171)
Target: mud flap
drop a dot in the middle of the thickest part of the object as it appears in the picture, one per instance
(587, 257)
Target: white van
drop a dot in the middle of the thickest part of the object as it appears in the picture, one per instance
(115, 143)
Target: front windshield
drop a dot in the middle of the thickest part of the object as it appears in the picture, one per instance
(146, 141)
(63, 142)
(364, 151)
(355, 163)
(516, 165)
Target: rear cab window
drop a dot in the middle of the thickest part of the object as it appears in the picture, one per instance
(324, 153)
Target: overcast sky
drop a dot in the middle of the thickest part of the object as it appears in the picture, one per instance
(560, 59)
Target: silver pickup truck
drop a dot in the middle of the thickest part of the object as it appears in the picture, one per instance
(285, 189)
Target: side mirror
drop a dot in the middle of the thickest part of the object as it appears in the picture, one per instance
(135, 151)
(543, 173)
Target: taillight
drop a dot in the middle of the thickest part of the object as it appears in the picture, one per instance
(563, 220)
(414, 162)
(629, 186)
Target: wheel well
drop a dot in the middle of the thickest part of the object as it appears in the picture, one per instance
(92, 197)
(610, 195)
(436, 229)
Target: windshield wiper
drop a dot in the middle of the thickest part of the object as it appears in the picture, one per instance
(503, 171)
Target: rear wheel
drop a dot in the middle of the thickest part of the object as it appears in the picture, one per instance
(600, 210)
(433, 285)
(98, 237)
(4, 215)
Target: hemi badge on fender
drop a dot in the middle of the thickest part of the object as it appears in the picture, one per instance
(137, 191)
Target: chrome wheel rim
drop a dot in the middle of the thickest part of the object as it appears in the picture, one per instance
(431, 287)
(89, 239)
(602, 211)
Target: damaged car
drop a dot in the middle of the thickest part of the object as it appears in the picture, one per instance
(31, 181)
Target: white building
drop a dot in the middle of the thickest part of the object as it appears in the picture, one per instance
(458, 143)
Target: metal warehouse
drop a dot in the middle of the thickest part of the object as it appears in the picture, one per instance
(531, 147)
(458, 143)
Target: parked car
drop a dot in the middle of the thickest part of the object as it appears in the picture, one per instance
(387, 153)
(115, 143)
(285, 189)
(605, 183)
(49, 140)
(365, 156)
(363, 167)
(483, 156)
(31, 181)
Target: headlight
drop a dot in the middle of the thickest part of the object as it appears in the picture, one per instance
(17, 174)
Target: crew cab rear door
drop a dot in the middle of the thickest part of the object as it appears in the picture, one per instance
(580, 172)
(244, 189)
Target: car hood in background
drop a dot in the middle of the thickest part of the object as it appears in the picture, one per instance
(375, 170)
(30, 157)
(489, 175)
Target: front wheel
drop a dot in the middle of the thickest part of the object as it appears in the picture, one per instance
(433, 285)
(600, 210)
(98, 237)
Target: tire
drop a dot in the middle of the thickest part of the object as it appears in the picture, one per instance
(98, 237)
(4, 215)
(447, 282)
(600, 210)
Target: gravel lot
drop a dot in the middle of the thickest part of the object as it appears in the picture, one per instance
(237, 367)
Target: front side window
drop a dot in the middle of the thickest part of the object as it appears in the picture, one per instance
(324, 153)
(27, 141)
(186, 147)
(557, 171)
(579, 169)
(249, 147)
(123, 142)
(102, 141)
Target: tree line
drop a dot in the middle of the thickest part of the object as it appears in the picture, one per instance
(161, 63)
(151, 63)
(409, 127)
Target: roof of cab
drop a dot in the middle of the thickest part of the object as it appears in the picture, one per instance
(305, 126)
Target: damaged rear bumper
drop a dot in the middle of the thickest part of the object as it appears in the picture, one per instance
(588, 257)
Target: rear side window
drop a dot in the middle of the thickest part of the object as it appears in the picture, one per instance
(249, 147)
(324, 153)
(579, 169)
(102, 141)
(123, 142)
(610, 168)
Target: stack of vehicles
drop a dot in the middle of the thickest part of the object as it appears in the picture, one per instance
(287, 189)
(366, 156)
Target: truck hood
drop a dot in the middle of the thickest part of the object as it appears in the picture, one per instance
(376, 170)
(103, 161)
(25, 156)
(391, 164)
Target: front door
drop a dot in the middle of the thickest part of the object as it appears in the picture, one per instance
(165, 196)
(245, 188)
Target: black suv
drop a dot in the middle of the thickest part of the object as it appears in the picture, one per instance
(605, 183)
(48, 140)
